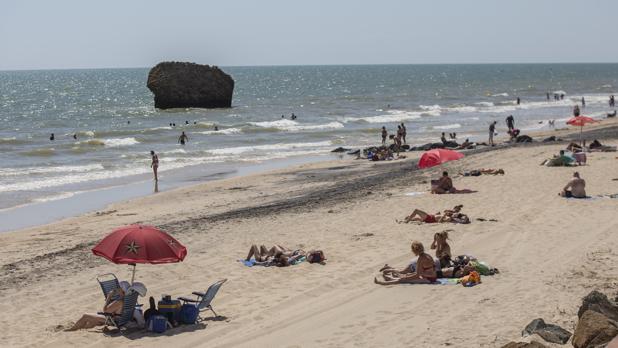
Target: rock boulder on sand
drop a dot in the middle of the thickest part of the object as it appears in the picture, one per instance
(549, 332)
(183, 85)
(594, 329)
(598, 302)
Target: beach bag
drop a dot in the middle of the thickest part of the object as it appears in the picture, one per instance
(316, 257)
(157, 323)
(188, 313)
(481, 267)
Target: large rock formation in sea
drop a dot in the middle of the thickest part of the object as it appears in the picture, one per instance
(183, 85)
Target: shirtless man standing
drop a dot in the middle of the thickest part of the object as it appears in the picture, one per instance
(576, 188)
(155, 165)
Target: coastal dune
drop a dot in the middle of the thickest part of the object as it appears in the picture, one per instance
(550, 252)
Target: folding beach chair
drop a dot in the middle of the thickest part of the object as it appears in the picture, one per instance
(204, 300)
(108, 283)
(128, 307)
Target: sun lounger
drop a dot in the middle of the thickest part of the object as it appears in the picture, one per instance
(204, 300)
(108, 283)
(128, 308)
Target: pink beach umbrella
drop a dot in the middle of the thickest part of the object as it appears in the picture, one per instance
(436, 157)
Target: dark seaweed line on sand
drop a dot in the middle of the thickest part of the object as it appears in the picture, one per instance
(13, 275)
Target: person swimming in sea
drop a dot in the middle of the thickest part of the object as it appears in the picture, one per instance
(75, 136)
(52, 137)
(293, 117)
(216, 128)
(183, 138)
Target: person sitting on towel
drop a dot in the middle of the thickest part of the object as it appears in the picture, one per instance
(424, 273)
(576, 188)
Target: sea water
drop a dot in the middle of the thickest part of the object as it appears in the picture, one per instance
(112, 114)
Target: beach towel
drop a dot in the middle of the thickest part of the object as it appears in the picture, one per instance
(253, 262)
(446, 281)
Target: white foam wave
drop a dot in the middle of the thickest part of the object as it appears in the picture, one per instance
(448, 126)
(500, 95)
(226, 131)
(72, 179)
(49, 170)
(118, 142)
(486, 104)
(275, 124)
(62, 195)
(293, 126)
(394, 116)
(269, 147)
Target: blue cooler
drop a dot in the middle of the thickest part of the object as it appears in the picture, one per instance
(188, 313)
(157, 323)
(169, 308)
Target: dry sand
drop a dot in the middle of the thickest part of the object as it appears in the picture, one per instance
(551, 251)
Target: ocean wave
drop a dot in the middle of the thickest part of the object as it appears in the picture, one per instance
(486, 104)
(91, 142)
(499, 95)
(118, 142)
(559, 92)
(88, 133)
(393, 116)
(56, 197)
(269, 147)
(226, 131)
(49, 170)
(75, 178)
(293, 126)
(44, 152)
(448, 126)
(12, 140)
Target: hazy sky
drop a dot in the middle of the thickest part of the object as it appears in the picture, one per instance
(139, 33)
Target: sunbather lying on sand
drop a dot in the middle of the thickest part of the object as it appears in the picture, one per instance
(466, 145)
(596, 145)
(486, 171)
(445, 185)
(454, 216)
(281, 256)
(425, 270)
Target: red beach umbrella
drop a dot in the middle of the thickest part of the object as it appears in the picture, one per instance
(436, 157)
(140, 244)
(580, 121)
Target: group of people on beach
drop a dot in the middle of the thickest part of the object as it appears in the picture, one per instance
(398, 138)
(427, 269)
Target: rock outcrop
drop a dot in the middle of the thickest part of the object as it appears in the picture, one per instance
(594, 329)
(598, 302)
(183, 85)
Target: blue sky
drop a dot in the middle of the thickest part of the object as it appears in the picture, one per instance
(139, 33)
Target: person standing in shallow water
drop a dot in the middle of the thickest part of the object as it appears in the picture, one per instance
(154, 165)
(384, 135)
(52, 137)
(492, 130)
(183, 138)
(404, 132)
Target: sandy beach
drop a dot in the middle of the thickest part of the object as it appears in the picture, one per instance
(550, 251)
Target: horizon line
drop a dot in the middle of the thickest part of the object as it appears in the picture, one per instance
(309, 65)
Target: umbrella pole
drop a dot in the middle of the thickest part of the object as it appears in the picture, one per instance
(581, 142)
(133, 275)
